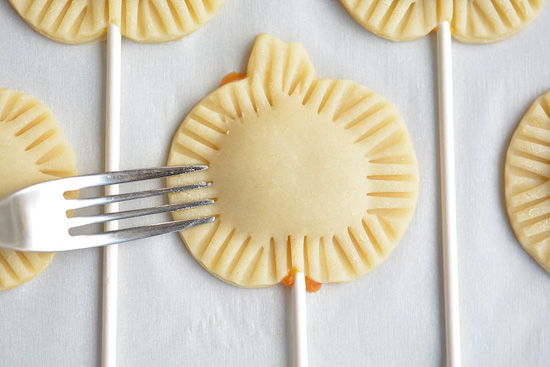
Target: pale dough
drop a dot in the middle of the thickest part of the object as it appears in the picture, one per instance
(149, 21)
(472, 21)
(315, 174)
(527, 181)
(32, 149)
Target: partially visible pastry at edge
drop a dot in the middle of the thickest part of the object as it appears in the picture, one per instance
(32, 149)
(488, 21)
(527, 181)
(399, 20)
(316, 175)
(148, 21)
(472, 21)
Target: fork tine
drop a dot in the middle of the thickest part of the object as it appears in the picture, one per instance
(136, 233)
(93, 219)
(84, 203)
(119, 177)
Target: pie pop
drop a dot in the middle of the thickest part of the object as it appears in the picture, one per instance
(526, 181)
(470, 21)
(313, 175)
(84, 21)
(32, 150)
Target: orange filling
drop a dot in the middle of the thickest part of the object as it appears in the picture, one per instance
(311, 285)
(289, 279)
(232, 77)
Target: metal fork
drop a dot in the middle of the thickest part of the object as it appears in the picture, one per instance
(35, 218)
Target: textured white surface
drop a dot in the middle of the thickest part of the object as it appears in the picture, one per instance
(172, 312)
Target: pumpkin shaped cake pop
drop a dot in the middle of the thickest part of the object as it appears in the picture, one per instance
(527, 181)
(32, 150)
(315, 175)
(472, 21)
(148, 21)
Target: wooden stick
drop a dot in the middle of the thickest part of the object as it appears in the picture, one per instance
(112, 163)
(448, 194)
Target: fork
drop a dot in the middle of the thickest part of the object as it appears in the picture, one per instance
(36, 218)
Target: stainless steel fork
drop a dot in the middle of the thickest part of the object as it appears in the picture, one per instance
(36, 218)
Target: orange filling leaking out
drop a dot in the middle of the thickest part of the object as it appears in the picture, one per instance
(232, 77)
(311, 285)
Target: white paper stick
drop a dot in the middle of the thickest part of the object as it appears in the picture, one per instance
(112, 163)
(300, 320)
(448, 194)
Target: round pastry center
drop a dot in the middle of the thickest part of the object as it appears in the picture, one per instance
(289, 172)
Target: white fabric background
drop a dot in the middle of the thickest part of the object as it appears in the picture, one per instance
(173, 313)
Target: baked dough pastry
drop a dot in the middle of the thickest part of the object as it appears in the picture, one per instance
(399, 20)
(314, 174)
(487, 21)
(472, 21)
(32, 149)
(149, 21)
(527, 181)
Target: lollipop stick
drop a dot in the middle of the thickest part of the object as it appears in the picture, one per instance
(300, 320)
(112, 163)
(448, 194)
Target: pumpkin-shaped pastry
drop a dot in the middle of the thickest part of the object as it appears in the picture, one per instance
(151, 21)
(32, 150)
(316, 175)
(527, 181)
(472, 21)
